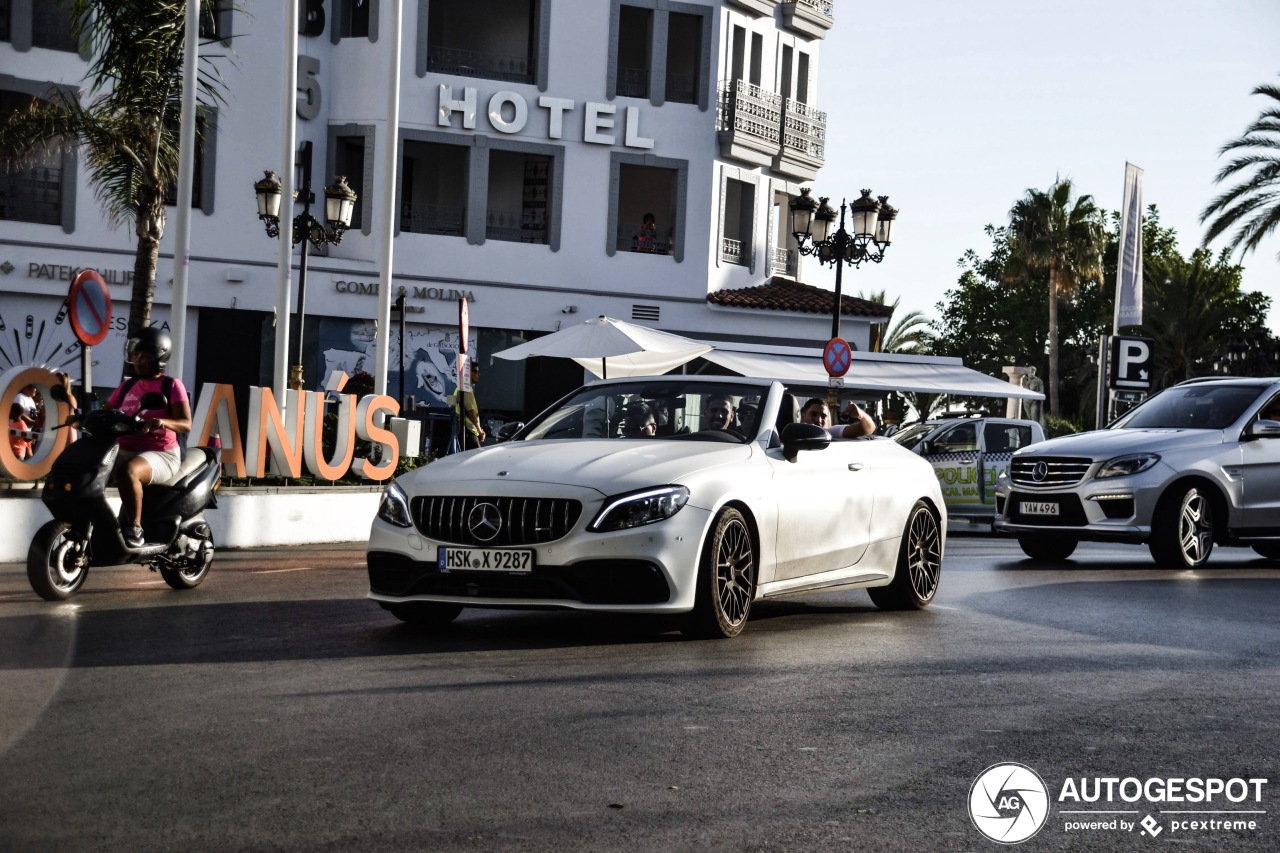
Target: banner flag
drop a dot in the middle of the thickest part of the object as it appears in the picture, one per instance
(1129, 263)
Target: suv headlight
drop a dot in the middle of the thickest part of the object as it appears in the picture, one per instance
(1122, 466)
(643, 507)
(394, 507)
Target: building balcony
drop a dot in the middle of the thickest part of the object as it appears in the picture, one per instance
(760, 7)
(804, 141)
(808, 17)
(749, 123)
(783, 262)
(432, 219)
(732, 251)
(474, 63)
(764, 129)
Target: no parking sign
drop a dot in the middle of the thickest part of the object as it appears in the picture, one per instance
(90, 308)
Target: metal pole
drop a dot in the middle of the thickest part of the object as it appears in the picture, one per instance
(186, 175)
(86, 377)
(400, 307)
(288, 137)
(305, 222)
(1100, 406)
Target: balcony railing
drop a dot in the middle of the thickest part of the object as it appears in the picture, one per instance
(745, 108)
(782, 262)
(805, 130)
(432, 219)
(32, 195)
(731, 251)
(513, 227)
(811, 17)
(682, 88)
(633, 82)
(633, 243)
(474, 63)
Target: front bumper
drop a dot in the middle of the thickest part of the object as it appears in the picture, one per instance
(1110, 510)
(648, 569)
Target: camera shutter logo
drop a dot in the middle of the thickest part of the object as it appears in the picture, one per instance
(1008, 803)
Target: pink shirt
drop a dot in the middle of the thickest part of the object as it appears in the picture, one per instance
(163, 439)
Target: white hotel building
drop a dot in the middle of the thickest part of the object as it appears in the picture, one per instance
(533, 136)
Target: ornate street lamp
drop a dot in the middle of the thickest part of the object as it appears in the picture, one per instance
(339, 204)
(872, 221)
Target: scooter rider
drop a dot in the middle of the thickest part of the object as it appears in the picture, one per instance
(152, 455)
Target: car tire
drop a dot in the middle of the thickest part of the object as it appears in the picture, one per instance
(915, 580)
(1268, 550)
(726, 579)
(1182, 529)
(1048, 549)
(425, 614)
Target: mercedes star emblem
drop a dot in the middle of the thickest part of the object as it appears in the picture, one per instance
(484, 521)
(1040, 472)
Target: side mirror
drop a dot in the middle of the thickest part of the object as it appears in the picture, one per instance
(508, 431)
(153, 400)
(1262, 428)
(924, 448)
(797, 437)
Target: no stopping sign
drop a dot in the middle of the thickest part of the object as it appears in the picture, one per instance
(90, 308)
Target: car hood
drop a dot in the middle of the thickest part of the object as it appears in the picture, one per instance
(1106, 443)
(609, 466)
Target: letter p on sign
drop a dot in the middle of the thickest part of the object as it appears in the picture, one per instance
(1131, 363)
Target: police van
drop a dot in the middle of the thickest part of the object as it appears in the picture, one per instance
(968, 451)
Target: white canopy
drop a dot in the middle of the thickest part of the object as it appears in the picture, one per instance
(875, 372)
(609, 347)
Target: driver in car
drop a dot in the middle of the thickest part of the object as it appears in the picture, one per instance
(718, 412)
(815, 411)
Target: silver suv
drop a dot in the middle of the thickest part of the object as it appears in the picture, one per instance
(1193, 465)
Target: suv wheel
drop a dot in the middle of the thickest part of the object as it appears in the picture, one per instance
(1050, 549)
(1182, 529)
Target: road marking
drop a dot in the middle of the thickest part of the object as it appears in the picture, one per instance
(278, 571)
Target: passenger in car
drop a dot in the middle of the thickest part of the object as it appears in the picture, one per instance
(639, 422)
(815, 411)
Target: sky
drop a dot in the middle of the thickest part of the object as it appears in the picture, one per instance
(955, 109)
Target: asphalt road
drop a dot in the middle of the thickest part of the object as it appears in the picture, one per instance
(274, 708)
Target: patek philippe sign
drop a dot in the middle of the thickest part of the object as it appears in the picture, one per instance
(68, 272)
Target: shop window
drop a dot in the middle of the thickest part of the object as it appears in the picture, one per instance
(42, 191)
(635, 37)
(434, 195)
(647, 208)
(494, 39)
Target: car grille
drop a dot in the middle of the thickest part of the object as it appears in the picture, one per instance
(524, 521)
(1057, 471)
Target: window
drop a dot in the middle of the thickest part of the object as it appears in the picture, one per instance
(660, 51)
(507, 190)
(44, 191)
(215, 21)
(349, 162)
(5, 6)
(202, 178)
(518, 195)
(635, 36)
(51, 25)
(684, 57)
(434, 195)
(783, 257)
(495, 39)
(738, 222)
(353, 18)
(641, 185)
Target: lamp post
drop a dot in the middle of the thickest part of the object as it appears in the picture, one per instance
(811, 223)
(339, 203)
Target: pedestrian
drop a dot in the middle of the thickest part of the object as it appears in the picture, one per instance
(19, 434)
(647, 240)
(469, 413)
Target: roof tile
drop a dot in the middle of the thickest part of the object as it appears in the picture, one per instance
(784, 294)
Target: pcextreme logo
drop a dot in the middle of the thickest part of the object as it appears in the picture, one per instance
(1009, 803)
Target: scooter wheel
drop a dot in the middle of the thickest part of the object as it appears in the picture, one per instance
(56, 566)
(197, 566)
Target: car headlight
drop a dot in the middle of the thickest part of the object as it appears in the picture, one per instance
(394, 507)
(644, 507)
(1122, 466)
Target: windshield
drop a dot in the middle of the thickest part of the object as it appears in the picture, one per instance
(655, 410)
(912, 435)
(1193, 407)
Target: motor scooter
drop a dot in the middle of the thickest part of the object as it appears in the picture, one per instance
(85, 531)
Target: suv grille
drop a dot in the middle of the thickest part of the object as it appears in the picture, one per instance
(522, 521)
(1056, 471)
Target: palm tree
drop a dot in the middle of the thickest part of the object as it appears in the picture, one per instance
(1196, 307)
(1054, 232)
(1252, 206)
(128, 128)
(909, 335)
